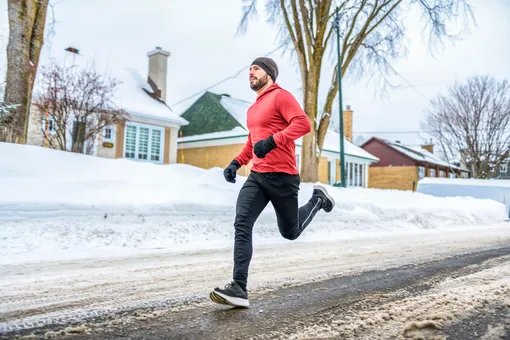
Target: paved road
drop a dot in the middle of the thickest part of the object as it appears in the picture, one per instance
(463, 297)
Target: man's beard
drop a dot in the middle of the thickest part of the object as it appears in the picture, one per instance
(260, 83)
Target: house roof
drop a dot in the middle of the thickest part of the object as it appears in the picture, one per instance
(215, 116)
(417, 154)
(133, 93)
(213, 113)
(332, 143)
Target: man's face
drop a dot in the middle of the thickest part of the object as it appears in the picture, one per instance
(258, 77)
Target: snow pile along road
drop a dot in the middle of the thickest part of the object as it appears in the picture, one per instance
(57, 205)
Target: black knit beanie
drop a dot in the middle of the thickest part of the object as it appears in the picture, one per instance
(267, 65)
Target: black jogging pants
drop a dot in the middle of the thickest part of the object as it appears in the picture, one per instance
(281, 190)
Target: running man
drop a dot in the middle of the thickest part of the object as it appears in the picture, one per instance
(274, 122)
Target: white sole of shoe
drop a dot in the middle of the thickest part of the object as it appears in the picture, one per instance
(232, 301)
(325, 192)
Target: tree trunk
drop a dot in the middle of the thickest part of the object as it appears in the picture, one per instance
(26, 36)
(310, 159)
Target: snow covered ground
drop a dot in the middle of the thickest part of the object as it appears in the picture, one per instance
(58, 205)
(83, 236)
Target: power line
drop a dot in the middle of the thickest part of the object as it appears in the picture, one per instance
(326, 17)
(225, 79)
(413, 131)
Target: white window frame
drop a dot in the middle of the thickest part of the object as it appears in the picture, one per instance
(452, 175)
(441, 173)
(432, 172)
(421, 172)
(112, 133)
(503, 168)
(151, 128)
(51, 122)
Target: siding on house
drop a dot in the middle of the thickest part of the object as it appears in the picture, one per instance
(503, 174)
(323, 170)
(212, 156)
(387, 156)
(398, 178)
(221, 155)
(119, 147)
(166, 150)
(103, 151)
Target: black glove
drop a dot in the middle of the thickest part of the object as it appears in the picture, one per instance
(231, 170)
(262, 147)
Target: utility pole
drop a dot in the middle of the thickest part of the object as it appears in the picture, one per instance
(341, 111)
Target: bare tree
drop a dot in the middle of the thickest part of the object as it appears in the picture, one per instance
(76, 103)
(359, 140)
(26, 36)
(472, 123)
(372, 36)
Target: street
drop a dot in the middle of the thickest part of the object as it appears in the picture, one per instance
(449, 283)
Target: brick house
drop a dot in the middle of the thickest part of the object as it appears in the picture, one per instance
(150, 133)
(217, 132)
(401, 167)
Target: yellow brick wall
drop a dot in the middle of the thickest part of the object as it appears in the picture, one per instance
(221, 156)
(119, 147)
(348, 124)
(337, 176)
(212, 156)
(166, 149)
(395, 177)
(323, 170)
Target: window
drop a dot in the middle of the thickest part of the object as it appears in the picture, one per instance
(144, 142)
(452, 175)
(49, 125)
(441, 173)
(432, 172)
(503, 168)
(108, 133)
(421, 172)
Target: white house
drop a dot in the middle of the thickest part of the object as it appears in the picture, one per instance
(150, 133)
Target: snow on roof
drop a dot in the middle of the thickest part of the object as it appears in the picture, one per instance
(130, 94)
(332, 143)
(235, 132)
(132, 98)
(419, 154)
(237, 109)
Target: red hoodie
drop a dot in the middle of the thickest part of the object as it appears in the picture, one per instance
(275, 112)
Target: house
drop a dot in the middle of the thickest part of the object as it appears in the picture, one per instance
(401, 167)
(150, 132)
(217, 132)
(503, 171)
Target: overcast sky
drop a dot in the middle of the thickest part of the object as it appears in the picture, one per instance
(200, 36)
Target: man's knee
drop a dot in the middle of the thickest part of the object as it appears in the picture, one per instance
(289, 234)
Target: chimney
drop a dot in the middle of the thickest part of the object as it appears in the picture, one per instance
(158, 60)
(429, 147)
(348, 123)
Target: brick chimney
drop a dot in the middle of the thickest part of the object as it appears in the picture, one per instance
(348, 123)
(158, 60)
(429, 147)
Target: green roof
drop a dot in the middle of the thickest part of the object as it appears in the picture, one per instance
(207, 115)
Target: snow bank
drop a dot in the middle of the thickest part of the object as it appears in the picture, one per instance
(55, 204)
(497, 190)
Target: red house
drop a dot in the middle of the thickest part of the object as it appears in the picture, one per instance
(401, 167)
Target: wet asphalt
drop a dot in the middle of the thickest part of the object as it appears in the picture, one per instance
(277, 313)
